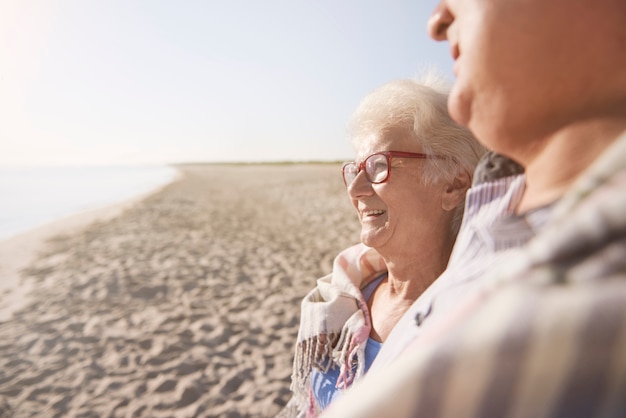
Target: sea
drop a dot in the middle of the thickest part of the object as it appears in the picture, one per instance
(33, 196)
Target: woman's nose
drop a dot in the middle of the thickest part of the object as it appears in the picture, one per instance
(360, 186)
(439, 22)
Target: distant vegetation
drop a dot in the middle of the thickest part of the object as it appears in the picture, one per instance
(335, 162)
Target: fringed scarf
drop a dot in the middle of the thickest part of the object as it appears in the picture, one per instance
(335, 324)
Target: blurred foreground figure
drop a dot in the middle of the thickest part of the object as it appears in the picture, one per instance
(529, 319)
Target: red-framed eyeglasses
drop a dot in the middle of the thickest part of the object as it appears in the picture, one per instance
(377, 166)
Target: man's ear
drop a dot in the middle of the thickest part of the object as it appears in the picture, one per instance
(454, 192)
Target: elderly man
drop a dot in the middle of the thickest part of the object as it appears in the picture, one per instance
(529, 319)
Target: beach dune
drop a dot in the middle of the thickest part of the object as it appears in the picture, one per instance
(186, 304)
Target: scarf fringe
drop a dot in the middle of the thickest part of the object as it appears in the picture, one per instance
(334, 327)
(348, 353)
(310, 353)
(338, 350)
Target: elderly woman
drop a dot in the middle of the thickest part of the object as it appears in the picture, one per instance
(407, 185)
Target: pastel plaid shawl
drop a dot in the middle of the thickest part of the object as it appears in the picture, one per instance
(335, 324)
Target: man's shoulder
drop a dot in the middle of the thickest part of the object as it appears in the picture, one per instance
(528, 348)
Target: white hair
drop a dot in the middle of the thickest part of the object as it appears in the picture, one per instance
(419, 106)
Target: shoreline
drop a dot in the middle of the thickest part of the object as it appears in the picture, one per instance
(185, 304)
(37, 196)
(20, 250)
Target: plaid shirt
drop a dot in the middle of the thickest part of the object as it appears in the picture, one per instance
(537, 330)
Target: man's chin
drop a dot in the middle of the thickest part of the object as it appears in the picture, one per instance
(459, 106)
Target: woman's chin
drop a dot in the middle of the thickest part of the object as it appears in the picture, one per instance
(372, 241)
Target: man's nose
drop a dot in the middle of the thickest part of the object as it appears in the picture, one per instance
(440, 19)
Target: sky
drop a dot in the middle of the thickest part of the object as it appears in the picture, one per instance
(100, 82)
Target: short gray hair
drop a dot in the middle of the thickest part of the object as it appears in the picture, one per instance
(419, 107)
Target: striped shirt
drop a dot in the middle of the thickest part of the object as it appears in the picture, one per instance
(527, 329)
(486, 234)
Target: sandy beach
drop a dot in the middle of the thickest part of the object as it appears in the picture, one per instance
(182, 304)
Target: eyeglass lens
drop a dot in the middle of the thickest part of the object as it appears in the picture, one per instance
(376, 169)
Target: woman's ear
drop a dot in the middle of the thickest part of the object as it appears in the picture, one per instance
(454, 192)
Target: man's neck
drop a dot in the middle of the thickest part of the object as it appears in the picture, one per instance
(563, 157)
